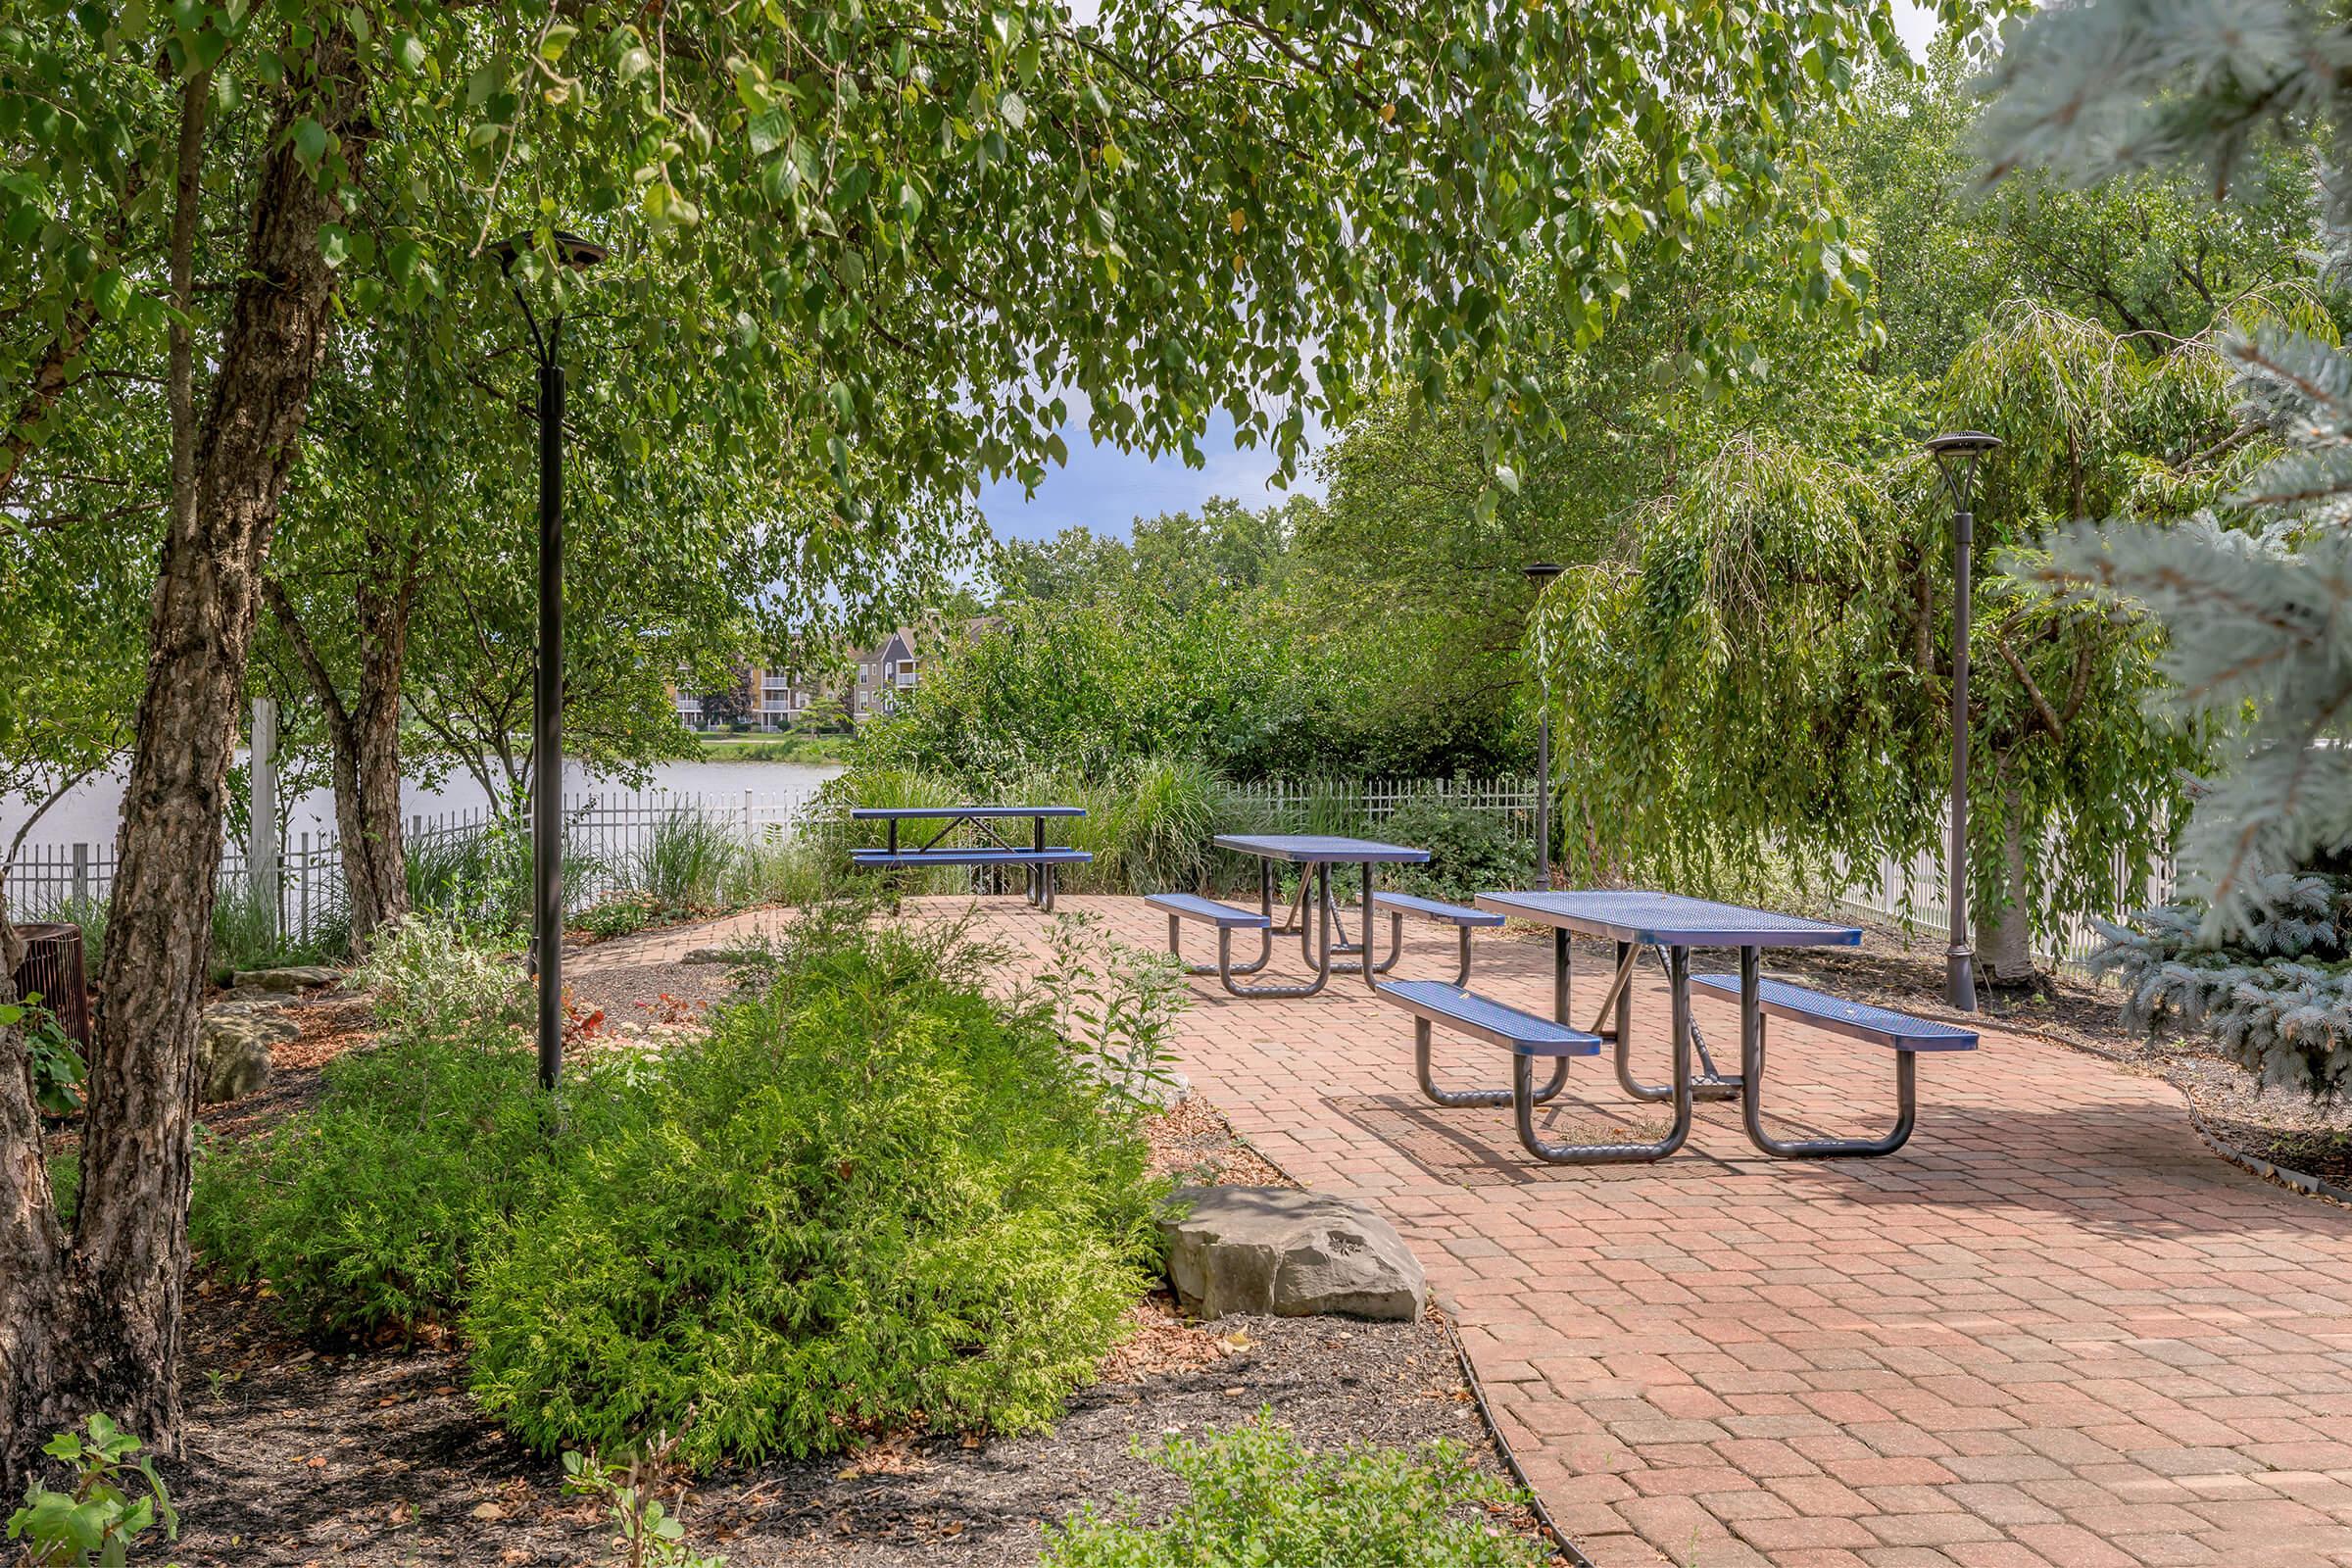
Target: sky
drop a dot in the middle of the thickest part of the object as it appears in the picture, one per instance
(1106, 489)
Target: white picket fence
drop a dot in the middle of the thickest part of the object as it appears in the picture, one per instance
(607, 832)
(604, 832)
(1915, 897)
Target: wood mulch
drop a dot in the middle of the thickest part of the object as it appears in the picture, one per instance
(302, 1455)
(378, 1457)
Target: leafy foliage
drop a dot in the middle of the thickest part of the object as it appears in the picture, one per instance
(375, 1207)
(113, 1499)
(1257, 1495)
(58, 1070)
(429, 980)
(646, 1534)
(1470, 852)
(870, 1198)
(1087, 688)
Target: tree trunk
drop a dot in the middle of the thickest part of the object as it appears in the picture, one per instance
(2005, 931)
(364, 738)
(98, 1326)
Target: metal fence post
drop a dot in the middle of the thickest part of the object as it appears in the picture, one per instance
(306, 888)
(82, 873)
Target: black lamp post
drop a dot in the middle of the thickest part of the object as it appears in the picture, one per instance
(1540, 573)
(547, 684)
(1956, 455)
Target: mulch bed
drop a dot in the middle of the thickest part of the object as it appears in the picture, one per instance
(378, 1457)
(300, 1456)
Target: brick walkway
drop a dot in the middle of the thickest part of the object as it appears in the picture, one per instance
(2054, 1330)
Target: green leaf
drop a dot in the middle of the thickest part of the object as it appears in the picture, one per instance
(310, 141)
(110, 291)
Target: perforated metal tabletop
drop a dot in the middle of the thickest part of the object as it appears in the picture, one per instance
(1668, 919)
(1320, 848)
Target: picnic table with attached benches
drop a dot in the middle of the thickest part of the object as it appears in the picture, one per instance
(1671, 925)
(1037, 859)
(1323, 941)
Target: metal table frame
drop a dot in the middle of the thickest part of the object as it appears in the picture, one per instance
(1674, 926)
(1038, 880)
(1326, 955)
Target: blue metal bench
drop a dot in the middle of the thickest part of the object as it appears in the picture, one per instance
(1038, 864)
(1461, 917)
(1522, 1034)
(1899, 1032)
(1182, 907)
(902, 860)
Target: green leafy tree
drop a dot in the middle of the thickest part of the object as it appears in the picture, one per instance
(1765, 676)
(891, 237)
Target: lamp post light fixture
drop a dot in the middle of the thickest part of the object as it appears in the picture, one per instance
(575, 253)
(1540, 573)
(1956, 455)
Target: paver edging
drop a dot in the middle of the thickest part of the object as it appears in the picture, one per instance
(1478, 1390)
(2278, 1175)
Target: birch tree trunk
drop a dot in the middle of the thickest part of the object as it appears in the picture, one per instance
(93, 1322)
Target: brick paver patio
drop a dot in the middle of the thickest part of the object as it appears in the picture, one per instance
(2054, 1332)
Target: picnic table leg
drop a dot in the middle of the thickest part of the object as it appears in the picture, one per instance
(1314, 891)
(1472, 1096)
(1524, 1101)
(1709, 1086)
(1041, 876)
(1751, 1067)
(1365, 966)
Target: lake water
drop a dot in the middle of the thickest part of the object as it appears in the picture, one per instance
(89, 813)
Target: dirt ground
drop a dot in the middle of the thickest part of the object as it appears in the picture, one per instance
(378, 1457)
(301, 1457)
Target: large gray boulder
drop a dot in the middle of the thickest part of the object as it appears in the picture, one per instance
(232, 1049)
(1287, 1253)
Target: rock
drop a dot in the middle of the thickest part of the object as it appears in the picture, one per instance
(706, 956)
(232, 1049)
(1291, 1253)
(296, 977)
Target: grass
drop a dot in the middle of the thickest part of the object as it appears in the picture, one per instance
(813, 747)
(688, 859)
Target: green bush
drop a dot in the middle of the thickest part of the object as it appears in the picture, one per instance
(870, 1198)
(480, 877)
(373, 1208)
(1470, 852)
(1257, 1497)
(430, 978)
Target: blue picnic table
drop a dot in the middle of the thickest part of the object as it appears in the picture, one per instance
(1035, 859)
(1672, 924)
(1330, 951)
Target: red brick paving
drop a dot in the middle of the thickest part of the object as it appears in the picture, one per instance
(2052, 1331)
